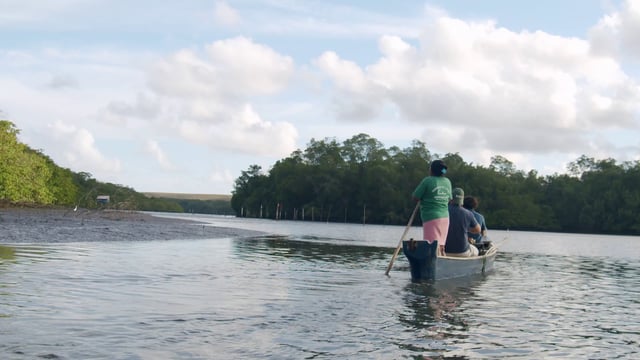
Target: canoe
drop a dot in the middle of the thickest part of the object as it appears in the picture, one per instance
(426, 265)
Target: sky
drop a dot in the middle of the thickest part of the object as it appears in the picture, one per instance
(181, 96)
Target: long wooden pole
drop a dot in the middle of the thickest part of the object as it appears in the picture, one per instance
(504, 240)
(406, 230)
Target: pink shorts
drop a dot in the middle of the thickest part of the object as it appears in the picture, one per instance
(436, 229)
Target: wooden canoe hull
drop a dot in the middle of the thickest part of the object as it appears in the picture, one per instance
(426, 265)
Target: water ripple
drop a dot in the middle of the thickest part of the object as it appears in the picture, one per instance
(290, 297)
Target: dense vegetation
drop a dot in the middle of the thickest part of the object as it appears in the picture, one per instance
(29, 177)
(218, 207)
(359, 181)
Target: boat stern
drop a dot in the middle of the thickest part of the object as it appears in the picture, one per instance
(422, 257)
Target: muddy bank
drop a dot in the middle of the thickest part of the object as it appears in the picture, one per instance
(26, 225)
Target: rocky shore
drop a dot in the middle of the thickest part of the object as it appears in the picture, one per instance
(37, 225)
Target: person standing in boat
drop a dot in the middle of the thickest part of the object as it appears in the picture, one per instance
(434, 193)
(471, 203)
(461, 224)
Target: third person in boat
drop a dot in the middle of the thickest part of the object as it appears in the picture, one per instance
(461, 223)
(471, 204)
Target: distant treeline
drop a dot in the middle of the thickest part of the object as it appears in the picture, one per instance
(29, 177)
(215, 207)
(360, 181)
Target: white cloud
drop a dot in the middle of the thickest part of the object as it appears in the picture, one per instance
(77, 146)
(255, 68)
(357, 97)
(236, 67)
(61, 81)
(206, 98)
(183, 74)
(226, 15)
(323, 19)
(153, 148)
(72, 86)
(144, 107)
(243, 132)
(618, 33)
(221, 176)
(509, 91)
(16, 12)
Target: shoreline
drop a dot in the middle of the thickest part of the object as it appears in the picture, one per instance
(55, 225)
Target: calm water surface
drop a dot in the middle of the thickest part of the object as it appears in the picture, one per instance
(317, 291)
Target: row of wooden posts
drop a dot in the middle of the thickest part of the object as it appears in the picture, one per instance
(296, 212)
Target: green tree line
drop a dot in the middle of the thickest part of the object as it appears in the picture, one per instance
(361, 181)
(28, 176)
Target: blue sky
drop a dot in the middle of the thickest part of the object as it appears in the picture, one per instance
(182, 96)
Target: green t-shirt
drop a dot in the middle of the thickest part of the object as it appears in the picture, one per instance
(434, 193)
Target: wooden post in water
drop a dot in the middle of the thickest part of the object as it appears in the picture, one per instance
(364, 214)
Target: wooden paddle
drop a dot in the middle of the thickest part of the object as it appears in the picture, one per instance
(406, 230)
(504, 240)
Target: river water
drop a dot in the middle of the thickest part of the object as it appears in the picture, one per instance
(317, 291)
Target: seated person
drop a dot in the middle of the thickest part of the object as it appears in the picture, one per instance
(461, 223)
(471, 203)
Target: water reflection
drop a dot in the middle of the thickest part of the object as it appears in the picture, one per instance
(296, 297)
(435, 313)
(41, 253)
(309, 249)
(7, 253)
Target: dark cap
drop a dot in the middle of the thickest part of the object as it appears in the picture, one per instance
(458, 196)
(438, 168)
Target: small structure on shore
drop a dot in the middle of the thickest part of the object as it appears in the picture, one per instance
(103, 199)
